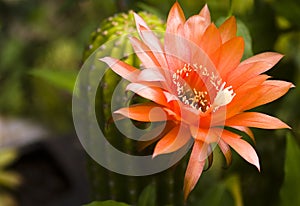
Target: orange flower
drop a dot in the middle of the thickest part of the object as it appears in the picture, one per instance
(197, 80)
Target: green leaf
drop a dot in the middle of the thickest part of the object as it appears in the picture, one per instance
(62, 79)
(234, 186)
(291, 184)
(148, 196)
(107, 203)
(243, 31)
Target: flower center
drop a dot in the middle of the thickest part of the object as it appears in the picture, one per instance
(196, 86)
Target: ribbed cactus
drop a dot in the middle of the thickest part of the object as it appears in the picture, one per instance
(106, 184)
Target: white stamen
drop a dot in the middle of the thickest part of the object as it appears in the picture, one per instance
(223, 97)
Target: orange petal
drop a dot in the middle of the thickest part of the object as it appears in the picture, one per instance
(226, 151)
(144, 53)
(195, 167)
(270, 58)
(154, 135)
(150, 40)
(146, 112)
(121, 68)
(172, 141)
(243, 148)
(208, 135)
(228, 29)
(254, 66)
(150, 75)
(211, 39)
(245, 130)
(205, 14)
(194, 28)
(230, 56)
(154, 94)
(175, 18)
(177, 51)
(242, 97)
(268, 92)
(255, 119)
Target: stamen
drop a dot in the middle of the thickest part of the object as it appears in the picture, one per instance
(223, 97)
(199, 100)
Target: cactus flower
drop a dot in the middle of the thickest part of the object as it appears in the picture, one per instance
(199, 83)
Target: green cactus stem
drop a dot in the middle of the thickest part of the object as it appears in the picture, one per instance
(106, 184)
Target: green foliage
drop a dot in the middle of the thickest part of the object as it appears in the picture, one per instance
(62, 79)
(148, 196)
(291, 184)
(227, 192)
(107, 203)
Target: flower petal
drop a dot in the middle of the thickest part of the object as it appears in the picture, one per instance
(195, 167)
(194, 28)
(144, 53)
(246, 130)
(172, 141)
(230, 56)
(255, 119)
(228, 29)
(208, 135)
(121, 68)
(226, 151)
(243, 148)
(154, 135)
(175, 18)
(211, 39)
(242, 98)
(150, 40)
(151, 75)
(268, 92)
(205, 14)
(154, 94)
(253, 66)
(146, 112)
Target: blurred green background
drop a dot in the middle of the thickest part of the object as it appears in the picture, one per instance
(42, 44)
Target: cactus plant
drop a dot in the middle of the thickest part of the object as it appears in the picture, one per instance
(106, 184)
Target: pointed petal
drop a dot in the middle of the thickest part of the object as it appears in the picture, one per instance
(150, 40)
(154, 135)
(230, 56)
(270, 58)
(228, 29)
(194, 28)
(246, 130)
(172, 141)
(150, 75)
(154, 94)
(226, 151)
(254, 66)
(205, 14)
(144, 53)
(243, 148)
(242, 98)
(255, 119)
(121, 68)
(146, 112)
(268, 92)
(194, 168)
(211, 39)
(208, 135)
(175, 18)
(177, 51)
